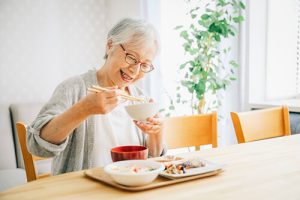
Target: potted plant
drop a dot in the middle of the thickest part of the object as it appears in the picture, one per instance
(204, 73)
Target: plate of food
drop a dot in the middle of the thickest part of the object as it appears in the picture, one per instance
(168, 159)
(190, 167)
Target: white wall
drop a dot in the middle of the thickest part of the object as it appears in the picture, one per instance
(44, 42)
(118, 9)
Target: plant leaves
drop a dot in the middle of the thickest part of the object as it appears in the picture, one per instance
(202, 38)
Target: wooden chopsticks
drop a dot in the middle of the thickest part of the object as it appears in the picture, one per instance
(96, 89)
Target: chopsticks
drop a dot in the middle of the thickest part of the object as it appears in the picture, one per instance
(96, 89)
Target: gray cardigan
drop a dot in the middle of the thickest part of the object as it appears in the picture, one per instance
(75, 152)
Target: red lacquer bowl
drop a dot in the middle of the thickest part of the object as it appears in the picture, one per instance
(129, 153)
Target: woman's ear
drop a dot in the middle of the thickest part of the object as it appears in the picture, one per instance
(109, 47)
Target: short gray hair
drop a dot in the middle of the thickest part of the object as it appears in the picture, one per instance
(135, 32)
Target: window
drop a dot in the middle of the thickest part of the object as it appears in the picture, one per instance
(282, 52)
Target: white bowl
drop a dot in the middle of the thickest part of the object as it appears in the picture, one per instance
(131, 178)
(142, 111)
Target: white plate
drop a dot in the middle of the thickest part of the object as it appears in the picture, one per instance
(209, 167)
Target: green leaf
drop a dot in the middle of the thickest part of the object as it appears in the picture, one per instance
(162, 110)
(217, 37)
(234, 64)
(242, 5)
(178, 27)
(187, 47)
(222, 3)
(232, 78)
(184, 34)
(193, 16)
(238, 19)
(231, 32)
(184, 102)
(209, 10)
(205, 16)
(200, 87)
(215, 28)
(194, 9)
(172, 107)
(183, 65)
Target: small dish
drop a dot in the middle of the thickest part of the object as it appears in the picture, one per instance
(209, 167)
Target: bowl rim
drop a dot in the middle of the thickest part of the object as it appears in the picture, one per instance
(113, 150)
(160, 168)
(139, 104)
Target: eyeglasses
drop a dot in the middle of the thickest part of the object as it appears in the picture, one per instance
(132, 60)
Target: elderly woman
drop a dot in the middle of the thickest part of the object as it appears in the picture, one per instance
(78, 128)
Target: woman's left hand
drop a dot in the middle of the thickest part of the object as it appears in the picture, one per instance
(152, 127)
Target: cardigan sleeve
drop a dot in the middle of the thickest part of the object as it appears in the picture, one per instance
(64, 96)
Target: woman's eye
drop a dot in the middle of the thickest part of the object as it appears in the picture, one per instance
(131, 59)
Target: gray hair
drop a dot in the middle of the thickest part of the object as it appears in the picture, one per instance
(135, 32)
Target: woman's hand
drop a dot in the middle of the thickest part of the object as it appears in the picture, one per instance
(59, 128)
(101, 102)
(152, 127)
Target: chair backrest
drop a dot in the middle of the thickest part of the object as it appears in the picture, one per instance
(29, 160)
(187, 131)
(261, 124)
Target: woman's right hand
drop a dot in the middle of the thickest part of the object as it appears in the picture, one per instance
(101, 102)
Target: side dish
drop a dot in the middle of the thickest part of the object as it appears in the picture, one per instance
(182, 167)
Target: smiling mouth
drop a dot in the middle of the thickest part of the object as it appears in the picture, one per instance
(125, 77)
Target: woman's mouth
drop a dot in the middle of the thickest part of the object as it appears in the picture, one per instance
(125, 77)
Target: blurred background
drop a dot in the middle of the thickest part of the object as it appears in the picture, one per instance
(43, 42)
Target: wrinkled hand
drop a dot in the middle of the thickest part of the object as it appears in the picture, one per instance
(102, 102)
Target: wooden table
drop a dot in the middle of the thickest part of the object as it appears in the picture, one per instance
(268, 169)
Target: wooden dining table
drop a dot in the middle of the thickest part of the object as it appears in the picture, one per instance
(266, 169)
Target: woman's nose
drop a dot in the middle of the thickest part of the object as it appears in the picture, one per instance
(134, 69)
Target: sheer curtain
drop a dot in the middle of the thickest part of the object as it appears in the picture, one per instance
(152, 83)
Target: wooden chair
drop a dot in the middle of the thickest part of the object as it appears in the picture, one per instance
(261, 124)
(188, 131)
(29, 160)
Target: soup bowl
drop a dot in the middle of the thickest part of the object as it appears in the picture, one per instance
(129, 153)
